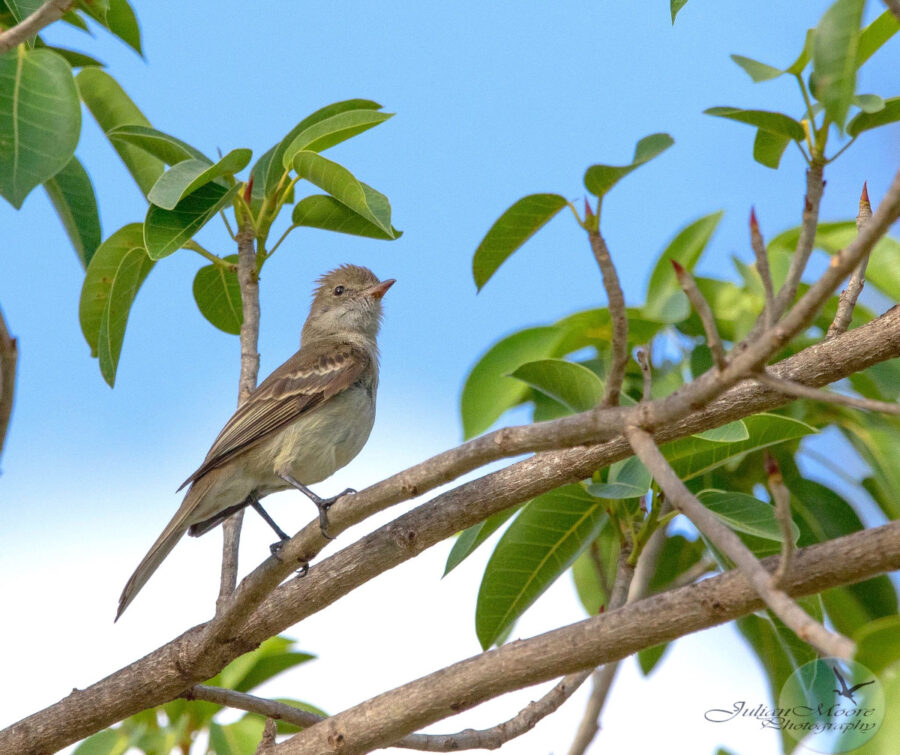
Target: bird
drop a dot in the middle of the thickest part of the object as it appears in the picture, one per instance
(305, 421)
(846, 691)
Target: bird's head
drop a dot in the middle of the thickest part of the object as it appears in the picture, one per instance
(346, 300)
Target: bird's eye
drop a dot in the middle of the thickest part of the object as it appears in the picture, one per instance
(338, 290)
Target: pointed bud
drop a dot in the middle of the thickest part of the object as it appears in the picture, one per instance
(772, 469)
(754, 224)
(248, 191)
(864, 197)
(679, 270)
(588, 212)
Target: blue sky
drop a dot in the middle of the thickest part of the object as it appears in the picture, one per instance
(493, 101)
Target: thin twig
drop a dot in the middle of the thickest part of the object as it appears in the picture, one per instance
(849, 295)
(643, 359)
(790, 388)
(704, 312)
(51, 11)
(617, 316)
(803, 625)
(9, 356)
(762, 267)
(781, 497)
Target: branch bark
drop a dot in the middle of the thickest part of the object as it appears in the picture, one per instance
(617, 315)
(201, 652)
(9, 357)
(49, 12)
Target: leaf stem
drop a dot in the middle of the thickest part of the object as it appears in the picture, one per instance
(203, 252)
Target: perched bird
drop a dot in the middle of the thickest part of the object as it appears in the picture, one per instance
(305, 421)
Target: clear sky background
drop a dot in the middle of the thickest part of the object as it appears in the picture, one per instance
(495, 100)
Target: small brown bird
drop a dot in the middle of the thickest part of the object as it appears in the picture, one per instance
(305, 421)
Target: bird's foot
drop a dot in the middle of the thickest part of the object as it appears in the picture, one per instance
(303, 570)
(275, 548)
(323, 504)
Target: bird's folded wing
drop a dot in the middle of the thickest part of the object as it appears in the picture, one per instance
(304, 381)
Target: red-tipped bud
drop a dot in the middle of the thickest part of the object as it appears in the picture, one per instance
(248, 190)
(679, 270)
(754, 224)
(772, 468)
(602, 608)
(588, 212)
(864, 197)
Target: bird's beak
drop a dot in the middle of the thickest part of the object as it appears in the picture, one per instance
(379, 289)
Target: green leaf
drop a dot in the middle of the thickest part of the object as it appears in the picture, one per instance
(111, 107)
(166, 147)
(469, 539)
(733, 432)
(628, 478)
(692, 456)
(73, 198)
(343, 186)
(878, 643)
(99, 276)
(594, 571)
(133, 267)
(675, 6)
(663, 288)
(513, 228)
(835, 50)
(648, 658)
(72, 57)
(883, 272)
(756, 70)
(121, 21)
(540, 544)
(188, 176)
(275, 165)
(744, 513)
(769, 147)
(326, 133)
(488, 391)
(168, 230)
(869, 103)
(573, 385)
(866, 121)
(106, 742)
(873, 37)
(876, 438)
(599, 179)
(40, 120)
(777, 123)
(218, 296)
(796, 68)
(327, 213)
(238, 738)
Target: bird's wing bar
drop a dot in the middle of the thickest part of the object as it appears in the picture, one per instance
(300, 384)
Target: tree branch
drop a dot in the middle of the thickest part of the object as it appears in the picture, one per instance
(781, 497)
(617, 316)
(599, 639)
(9, 356)
(702, 308)
(849, 295)
(50, 11)
(762, 267)
(894, 7)
(798, 390)
(203, 651)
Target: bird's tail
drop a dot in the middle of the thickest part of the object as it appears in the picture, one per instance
(170, 536)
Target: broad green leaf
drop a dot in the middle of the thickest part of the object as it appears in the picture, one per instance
(166, 147)
(663, 288)
(593, 327)
(106, 742)
(880, 381)
(649, 658)
(733, 432)
(121, 21)
(594, 571)
(343, 186)
(573, 385)
(111, 107)
(489, 391)
(188, 176)
(864, 121)
(875, 35)
(540, 544)
(835, 49)
(756, 70)
(869, 103)
(40, 120)
(330, 131)
(777, 123)
(218, 296)
(126, 281)
(258, 174)
(327, 213)
(474, 536)
(73, 198)
(513, 228)
(252, 669)
(599, 179)
(675, 6)
(72, 57)
(744, 513)
(168, 230)
(796, 68)
(692, 456)
(275, 166)
(769, 147)
(678, 555)
(878, 643)
(883, 270)
(628, 478)
(99, 276)
(876, 438)
(701, 360)
(238, 738)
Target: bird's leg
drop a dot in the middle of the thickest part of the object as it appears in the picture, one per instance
(282, 535)
(323, 504)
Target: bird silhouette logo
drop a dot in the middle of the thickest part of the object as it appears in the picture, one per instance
(846, 691)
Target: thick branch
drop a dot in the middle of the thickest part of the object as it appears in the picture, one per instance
(599, 639)
(49, 12)
(9, 356)
(617, 316)
(192, 658)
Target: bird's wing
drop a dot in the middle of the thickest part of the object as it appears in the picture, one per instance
(304, 381)
(862, 684)
(840, 678)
